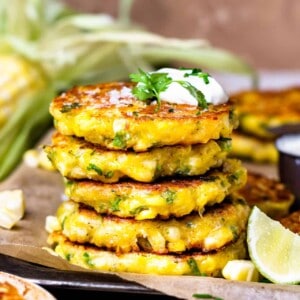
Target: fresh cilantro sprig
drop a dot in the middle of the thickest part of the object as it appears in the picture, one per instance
(150, 85)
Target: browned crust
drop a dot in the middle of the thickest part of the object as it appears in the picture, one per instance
(224, 210)
(292, 221)
(108, 114)
(260, 188)
(158, 186)
(187, 263)
(279, 103)
(59, 237)
(96, 97)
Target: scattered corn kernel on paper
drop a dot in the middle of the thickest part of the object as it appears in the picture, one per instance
(43, 191)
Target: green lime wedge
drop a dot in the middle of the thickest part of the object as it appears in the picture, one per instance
(273, 249)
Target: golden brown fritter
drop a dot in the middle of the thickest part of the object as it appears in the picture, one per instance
(292, 221)
(190, 263)
(268, 194)
(215, 228)
(164, 198)
(253, 149)
(259, 110)
(109, 115)
(78, 159)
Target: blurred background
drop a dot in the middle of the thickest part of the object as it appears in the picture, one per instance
(265, 33)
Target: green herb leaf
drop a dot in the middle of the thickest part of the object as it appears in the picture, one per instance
(183, 171)
(87, 258)
(206, 296)
(225, 144)
(194, 92)
(119, 140)
(198, 73)
(68, 107)
(194, 71)
(204, 76)
(138, 210)
(235, 232)
(63, 223)
(115, 203)
(95, 168)
(233, 177)
(150, 85)
(169, 196)
(109, 174)
(194, 267)
(68, 256)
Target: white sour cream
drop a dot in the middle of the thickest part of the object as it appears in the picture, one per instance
(289, 144)
(175, 93)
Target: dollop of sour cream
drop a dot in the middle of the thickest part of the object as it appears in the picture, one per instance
(176, 93)
(289, 144)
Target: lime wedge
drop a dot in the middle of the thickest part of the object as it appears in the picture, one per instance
(274, 250)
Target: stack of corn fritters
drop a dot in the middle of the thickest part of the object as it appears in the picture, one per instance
(261, 114)
(150, 190)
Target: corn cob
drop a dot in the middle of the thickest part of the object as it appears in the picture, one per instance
(19, 80)
(24, 97)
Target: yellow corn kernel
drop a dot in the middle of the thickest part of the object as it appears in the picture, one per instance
(12, 207)
(44, 161)
(243, 270)
(37, 158)
(31, 158)
(19, 79)
(52, 224)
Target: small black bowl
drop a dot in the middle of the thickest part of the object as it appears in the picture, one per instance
(288, 146)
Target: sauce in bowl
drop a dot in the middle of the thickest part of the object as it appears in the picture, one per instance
(288, 146)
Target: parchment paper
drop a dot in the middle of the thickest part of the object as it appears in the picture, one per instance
(43, 193)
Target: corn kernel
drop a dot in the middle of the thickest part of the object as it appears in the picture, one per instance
(12, 207)
(44, 162)
(31, 158)
(52, 224)
(36, 158)
(243, 270)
